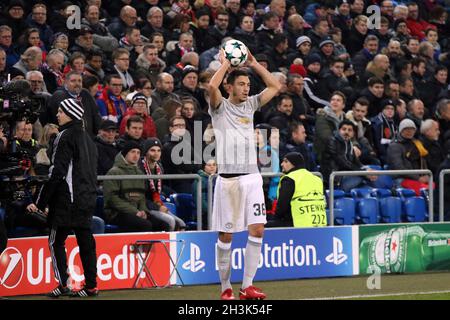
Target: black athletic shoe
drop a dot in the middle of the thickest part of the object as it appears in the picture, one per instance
(85, 292)
(59, 291)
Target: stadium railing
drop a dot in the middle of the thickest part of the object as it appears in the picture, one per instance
(198, 201)
(334, 174)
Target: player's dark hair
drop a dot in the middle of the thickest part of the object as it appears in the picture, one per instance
(233, 75)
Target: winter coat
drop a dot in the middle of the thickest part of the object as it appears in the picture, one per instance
(339, 156)
(402, 154)
(383, 132)
(70, 191)
(149, 125)
(436, 154)
(150, 71)
(123, 196)
(107, 152)
(326, 123)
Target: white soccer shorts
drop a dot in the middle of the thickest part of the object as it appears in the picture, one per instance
(238, 203)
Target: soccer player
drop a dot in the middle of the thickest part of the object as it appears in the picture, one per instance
(238, 198)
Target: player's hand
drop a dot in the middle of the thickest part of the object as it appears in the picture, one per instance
(32, 208)
(222, 59)
(250, 59)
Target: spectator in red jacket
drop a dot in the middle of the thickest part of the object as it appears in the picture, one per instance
(139, 107)
(416, 25)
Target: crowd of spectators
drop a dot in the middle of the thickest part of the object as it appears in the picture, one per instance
(357, 90)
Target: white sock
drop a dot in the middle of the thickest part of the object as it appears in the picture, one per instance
(224, 263)
(251, 260)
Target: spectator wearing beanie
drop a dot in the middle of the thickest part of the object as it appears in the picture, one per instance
(407, 153)
(313, 91)
(150, 165)
(326, 52)
(125, 203)
(14, 17)
(303, 48)
(106, 146)
(384, 128)
(189, 86)
(138, 107)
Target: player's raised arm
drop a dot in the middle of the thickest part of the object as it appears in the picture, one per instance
(215, 97)
(272, 84)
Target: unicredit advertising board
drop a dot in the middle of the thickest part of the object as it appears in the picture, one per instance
(26, 267)
(287, 253)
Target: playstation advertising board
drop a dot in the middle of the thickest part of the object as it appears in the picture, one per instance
(288, 253)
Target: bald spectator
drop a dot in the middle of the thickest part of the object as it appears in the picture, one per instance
(164, 89)
(295, 29)
(128, 18)
(188, 59)
(279, 8)
(378, 67)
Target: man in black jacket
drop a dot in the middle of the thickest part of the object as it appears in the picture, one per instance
(73, 89)
(107, 146)
(70, 195)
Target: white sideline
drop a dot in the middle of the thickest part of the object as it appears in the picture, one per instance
(377, 295)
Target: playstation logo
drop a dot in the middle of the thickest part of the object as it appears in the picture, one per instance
(194, 264)
(337, 257)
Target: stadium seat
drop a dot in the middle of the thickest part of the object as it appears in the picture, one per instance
(185, 209)
(415, 209)
(367, 211)
(98, 225)
(381, 193)
(405, 193)
(384, 181)
(390, 209)
(358, 193)
(2, 214)
(344, 213)
(99, 212)
(171, 206)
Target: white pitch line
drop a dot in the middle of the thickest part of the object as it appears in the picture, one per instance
(378, 295)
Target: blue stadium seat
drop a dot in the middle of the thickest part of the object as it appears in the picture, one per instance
(344, 213)
(171, 206)
(367, 211)
(384, 181)
(185, 209)
(415, 209)
(381, 193)
(98, 225)
(390, 209)
(405, 193)
(363, 192)
(2, 214)
(99, 212)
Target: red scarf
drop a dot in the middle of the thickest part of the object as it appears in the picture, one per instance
(151, 181)
(110, 104)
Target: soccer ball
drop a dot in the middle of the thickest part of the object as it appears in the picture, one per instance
(235, 52)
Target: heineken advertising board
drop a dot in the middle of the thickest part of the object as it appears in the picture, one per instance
(404, 248)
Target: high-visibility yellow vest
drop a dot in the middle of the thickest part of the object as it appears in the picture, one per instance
(308, 202)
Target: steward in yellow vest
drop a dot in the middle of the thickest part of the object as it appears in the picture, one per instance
(301, 201)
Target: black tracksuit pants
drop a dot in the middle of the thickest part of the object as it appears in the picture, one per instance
(86, 243)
